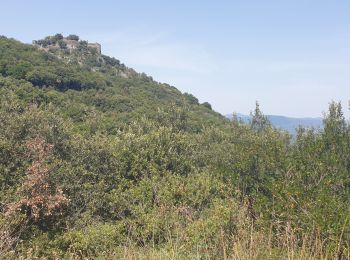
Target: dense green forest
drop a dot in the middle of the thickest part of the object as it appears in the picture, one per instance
(99, 161)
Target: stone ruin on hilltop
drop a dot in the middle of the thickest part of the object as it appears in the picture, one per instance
(70, 42)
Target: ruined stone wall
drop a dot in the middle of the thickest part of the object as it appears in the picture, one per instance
(96, 46)
(70, 45)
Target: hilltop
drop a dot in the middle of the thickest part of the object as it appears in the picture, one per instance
(81, 82)
(70, 43)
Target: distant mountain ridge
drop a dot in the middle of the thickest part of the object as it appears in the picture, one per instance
(289, 124)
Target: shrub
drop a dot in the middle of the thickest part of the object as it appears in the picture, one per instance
(207, 105)
(39, 197)
(73, 37)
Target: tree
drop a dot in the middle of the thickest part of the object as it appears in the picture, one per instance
(191, 99)
(58, 36)
(236, 120)
(39, 196)
(259, 121)
(334, 125)
(176, 117)
(73, 37)
(62, 44)
(207, 105)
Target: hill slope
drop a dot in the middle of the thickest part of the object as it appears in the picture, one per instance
(82, 82)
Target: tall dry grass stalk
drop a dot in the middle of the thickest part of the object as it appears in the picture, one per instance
(287, 245)
(10, 230)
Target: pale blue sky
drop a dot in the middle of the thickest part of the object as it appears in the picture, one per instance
(293, 56)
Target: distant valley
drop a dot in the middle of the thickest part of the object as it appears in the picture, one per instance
(289, 124)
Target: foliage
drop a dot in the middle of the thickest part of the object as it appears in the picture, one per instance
(207, 105)
(39, 198)
(73, 37)
(123, 166)
(259, 121)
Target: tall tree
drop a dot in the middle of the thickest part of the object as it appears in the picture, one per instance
(259, 121)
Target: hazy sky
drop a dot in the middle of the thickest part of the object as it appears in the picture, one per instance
(292, 56)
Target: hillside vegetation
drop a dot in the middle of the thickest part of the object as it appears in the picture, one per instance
(99, 161)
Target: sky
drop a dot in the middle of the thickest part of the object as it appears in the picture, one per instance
(293, 56)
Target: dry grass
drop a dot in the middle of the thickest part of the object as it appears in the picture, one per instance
(248, 245)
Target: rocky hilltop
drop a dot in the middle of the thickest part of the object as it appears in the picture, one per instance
(71, 42)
